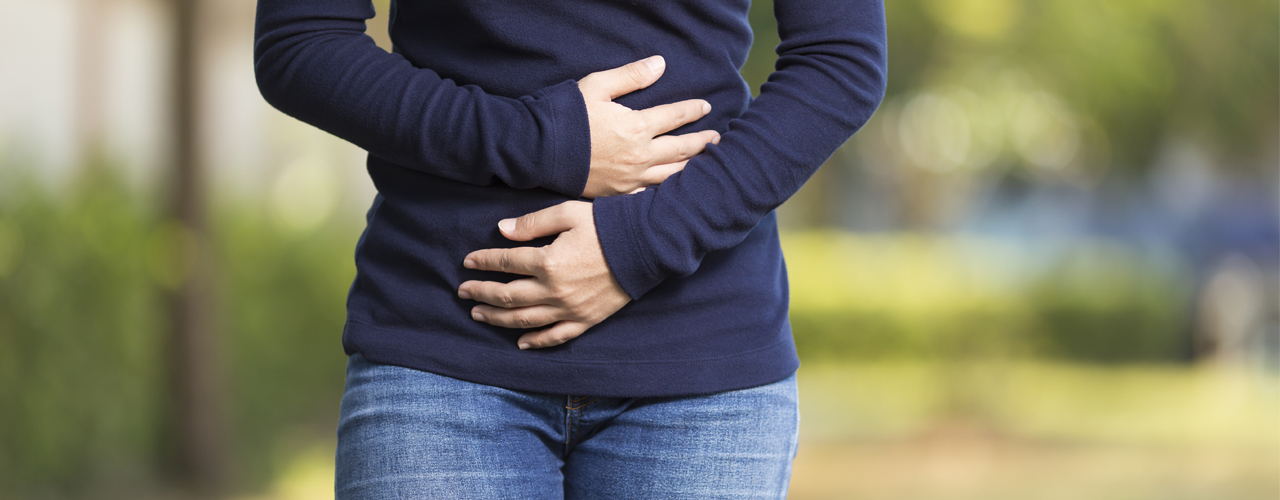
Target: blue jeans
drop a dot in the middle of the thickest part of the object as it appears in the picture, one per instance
(410, 434)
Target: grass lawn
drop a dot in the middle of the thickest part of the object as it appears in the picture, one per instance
(1031, 431)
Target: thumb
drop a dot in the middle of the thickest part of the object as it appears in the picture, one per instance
(545, 222)
(623, 80)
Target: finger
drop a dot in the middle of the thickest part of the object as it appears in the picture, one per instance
(610, 84)
(546, 222)
(518, 293)
(521, 317)
(657, 174)
(673, 148)
(559, 333)
(521, 260)
(668, 117)
(636, 190)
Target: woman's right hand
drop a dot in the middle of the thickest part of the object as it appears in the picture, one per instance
(627, 152)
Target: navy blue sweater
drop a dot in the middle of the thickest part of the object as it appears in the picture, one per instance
(476, 117)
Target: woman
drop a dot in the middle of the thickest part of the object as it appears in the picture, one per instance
(635, 346)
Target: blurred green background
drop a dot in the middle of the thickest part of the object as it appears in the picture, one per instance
(1048, 267)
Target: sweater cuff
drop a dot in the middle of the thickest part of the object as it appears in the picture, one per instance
(570, 131)
(625, 250)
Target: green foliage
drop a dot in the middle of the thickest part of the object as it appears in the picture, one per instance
(79, 342)
(1104, 302)
(951, 298)
(83, 276)
(1137, 71)
(283, 308)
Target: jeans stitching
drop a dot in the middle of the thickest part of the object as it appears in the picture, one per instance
(583, 405)
(568, 424)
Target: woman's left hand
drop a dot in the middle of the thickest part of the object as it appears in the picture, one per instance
(569, 283)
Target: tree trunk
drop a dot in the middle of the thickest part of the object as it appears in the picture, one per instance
(90, 79)
(197, 414)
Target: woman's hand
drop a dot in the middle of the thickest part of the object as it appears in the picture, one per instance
(569, 282)
(626, 152)
(570, 287)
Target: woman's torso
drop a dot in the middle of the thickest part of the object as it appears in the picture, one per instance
(723, 327)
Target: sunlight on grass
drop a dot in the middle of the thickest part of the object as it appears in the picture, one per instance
(306, 476)
(1031, 431)
(932, 276)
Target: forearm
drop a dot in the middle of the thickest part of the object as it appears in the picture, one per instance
(314, 62)
(830, 78)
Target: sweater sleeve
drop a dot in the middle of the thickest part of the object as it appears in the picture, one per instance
(830, 77)
(314, 62)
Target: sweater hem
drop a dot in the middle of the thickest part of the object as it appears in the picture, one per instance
(521, 370)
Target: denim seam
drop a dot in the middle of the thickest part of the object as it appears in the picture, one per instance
(577, 422)
(568, 425)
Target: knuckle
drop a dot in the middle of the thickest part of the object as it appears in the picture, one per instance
(639, 126)
(549, 263)
(634, 72)
(565, 337)
(525, 223)
(524, 321)
(635, 158)
(690, 111)
(506, 300)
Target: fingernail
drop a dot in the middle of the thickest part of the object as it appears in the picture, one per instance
(716, 139)
(477, 316)
(469, 264)
(524, 346)
(507, 225)
(706, 107)
(463, 294)
(655, 63)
